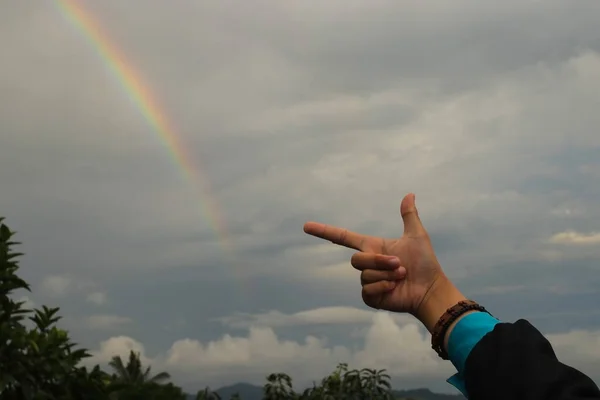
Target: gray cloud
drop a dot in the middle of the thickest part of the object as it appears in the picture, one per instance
(319, 316)
(326, 111)
(106, 322)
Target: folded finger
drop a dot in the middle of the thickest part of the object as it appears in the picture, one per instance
(377, 288)
(334, 234)
(372, 275)
(362, 261)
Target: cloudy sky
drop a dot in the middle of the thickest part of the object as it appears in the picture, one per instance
(294, 111)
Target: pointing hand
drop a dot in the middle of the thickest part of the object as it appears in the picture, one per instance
(396, 274)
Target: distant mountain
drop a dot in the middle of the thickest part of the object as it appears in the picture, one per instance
(252, 392)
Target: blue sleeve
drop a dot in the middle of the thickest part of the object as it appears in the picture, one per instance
(467, 332)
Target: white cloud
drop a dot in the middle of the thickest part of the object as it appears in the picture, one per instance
(107, 322)
(118, 346)
(575, 238)
(98, 298)
(401, 348)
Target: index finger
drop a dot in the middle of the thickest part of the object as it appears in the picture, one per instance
(334, 234)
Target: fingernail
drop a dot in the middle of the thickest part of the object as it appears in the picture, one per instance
(393, 261)
(391, 285)
(401, 272)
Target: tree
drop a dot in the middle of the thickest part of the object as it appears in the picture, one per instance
(150, 391)
(207, 394)
(167, 391)
(39, 362)
(375, 384)
(137, 383)
(279, 387)
(333, 386)
(132, 374)
(351, 384)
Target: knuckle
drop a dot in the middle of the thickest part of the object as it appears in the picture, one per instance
(342, 237)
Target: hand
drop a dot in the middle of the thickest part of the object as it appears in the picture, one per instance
(402, 282)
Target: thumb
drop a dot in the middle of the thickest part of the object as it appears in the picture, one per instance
(410, 216)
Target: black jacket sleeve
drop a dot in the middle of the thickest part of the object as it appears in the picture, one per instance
(516, 362)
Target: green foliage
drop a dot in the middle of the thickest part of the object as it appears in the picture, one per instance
(39, 362)
(351, 384)
(131, 374)
(279, 386)
(341, 384)
(131, 381)
(149, 391)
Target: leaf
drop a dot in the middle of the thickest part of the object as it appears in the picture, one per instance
(5, 233)
(34, 345)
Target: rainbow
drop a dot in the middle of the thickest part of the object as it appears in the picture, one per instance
(131, 82)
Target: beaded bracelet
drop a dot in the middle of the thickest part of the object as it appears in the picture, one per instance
(447, 319)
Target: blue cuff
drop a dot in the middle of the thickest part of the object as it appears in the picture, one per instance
(467, 332)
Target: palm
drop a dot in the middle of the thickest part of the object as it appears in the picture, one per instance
(422, 268)
(414, 250)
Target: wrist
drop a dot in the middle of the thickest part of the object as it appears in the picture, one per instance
(441, 296)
